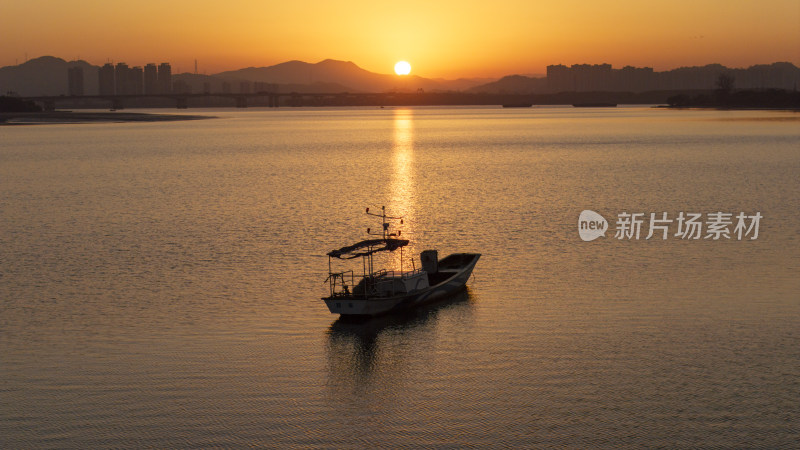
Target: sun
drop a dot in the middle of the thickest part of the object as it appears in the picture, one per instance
(402, 68)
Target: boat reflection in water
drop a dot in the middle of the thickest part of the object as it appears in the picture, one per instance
(374, 355)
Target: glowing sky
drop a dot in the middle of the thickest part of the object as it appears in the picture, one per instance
(444, 38)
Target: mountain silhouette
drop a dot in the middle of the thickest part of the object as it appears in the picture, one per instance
(343, 73)
(512, 84)
(45, 76)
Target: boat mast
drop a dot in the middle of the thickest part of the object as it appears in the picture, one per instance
(386, 233)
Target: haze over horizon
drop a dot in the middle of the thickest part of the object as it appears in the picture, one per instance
(443, 40)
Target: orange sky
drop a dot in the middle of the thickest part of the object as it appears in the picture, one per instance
(445, 38)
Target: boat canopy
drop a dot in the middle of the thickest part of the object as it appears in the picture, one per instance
(371, 246)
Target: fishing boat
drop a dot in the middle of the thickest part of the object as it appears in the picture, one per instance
(376, 292)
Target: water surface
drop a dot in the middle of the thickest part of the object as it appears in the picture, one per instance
(160, 283)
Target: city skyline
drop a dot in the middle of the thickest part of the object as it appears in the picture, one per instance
(444, 40)
(56, 76)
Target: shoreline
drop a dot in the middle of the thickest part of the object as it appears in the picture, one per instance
(70, 117)
(733, 108)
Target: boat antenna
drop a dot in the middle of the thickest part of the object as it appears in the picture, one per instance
(385, 224)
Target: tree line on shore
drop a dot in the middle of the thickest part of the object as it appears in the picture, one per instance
(726, 96)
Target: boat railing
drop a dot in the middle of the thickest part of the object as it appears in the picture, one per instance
(383, 273)
(380, 282)
(383, 281)
(378, 273)
(411, 273)
(338, 282)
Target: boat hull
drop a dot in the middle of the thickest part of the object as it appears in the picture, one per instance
(374, 306)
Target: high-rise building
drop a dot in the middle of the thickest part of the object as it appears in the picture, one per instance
(635, 79)
(164, 78)
(135, 78)
(598, 77)
(559, 78)
(75, 80)
(105, 77)
(150, 79)
(121, 79)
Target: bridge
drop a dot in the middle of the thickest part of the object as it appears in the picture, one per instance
(270, 99)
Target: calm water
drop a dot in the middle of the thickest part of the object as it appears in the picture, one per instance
(160, 283)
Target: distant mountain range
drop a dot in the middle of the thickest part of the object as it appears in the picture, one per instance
(47, 75)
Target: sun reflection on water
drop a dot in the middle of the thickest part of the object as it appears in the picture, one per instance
(402, 190)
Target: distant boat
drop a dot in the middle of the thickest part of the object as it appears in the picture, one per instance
(517, 105)
(380, 292)
(594, 105)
